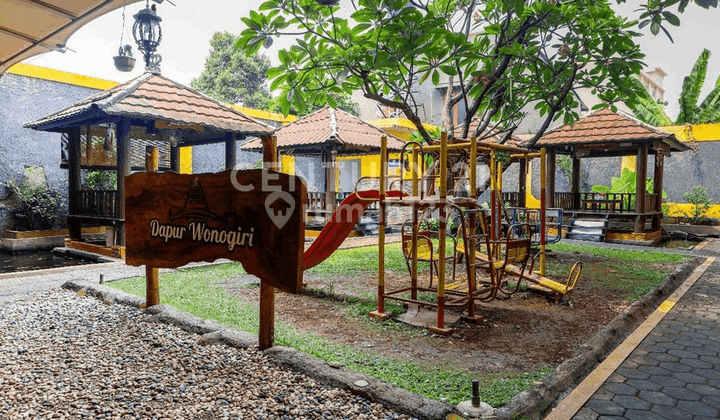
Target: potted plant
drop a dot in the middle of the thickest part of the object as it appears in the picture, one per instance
(124, 61)
(36, 208)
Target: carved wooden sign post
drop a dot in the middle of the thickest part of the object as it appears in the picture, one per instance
(254, 217)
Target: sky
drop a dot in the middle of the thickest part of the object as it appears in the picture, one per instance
(188, 27)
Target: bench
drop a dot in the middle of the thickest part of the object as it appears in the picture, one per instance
(601, 205)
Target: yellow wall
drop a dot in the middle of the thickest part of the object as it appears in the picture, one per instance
(265, 115)
(399, 127)
(186, 160)
(628, 162)
(37, 72)
(530, 200)
(287, 164)
(369, 166)
(695, 132)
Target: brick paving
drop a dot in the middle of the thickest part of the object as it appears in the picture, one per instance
(675, 371)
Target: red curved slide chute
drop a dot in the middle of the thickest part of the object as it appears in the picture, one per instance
(340, 225)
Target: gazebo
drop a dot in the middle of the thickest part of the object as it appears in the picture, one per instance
(328, 133)
(605, 133)
(110, 130)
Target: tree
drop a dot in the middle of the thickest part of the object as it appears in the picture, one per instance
(499, 56)
(232, 76)
(342, 101)
(655, 12)
(649, 111)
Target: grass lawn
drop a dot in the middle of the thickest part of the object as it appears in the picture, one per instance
(196, 291)
(633, 273)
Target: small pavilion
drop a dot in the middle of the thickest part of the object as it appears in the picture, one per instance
(605, 133)
(328, 133)
(110, 130)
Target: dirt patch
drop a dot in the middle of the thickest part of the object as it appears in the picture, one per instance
(521, 334)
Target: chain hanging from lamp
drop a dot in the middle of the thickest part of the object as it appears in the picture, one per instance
(124, 61)
(148, 34)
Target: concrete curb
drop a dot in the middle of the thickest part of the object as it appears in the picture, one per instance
(537, 401)
(331, 374)
(87, 255)
(339, 376)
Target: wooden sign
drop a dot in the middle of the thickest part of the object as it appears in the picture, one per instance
(254, 217)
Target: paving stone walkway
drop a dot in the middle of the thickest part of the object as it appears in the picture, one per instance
(675, 371)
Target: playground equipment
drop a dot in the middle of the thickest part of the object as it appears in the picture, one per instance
(341, 223)
(424, 251)
(506, 251)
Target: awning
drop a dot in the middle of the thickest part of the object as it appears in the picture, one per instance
(32, 27)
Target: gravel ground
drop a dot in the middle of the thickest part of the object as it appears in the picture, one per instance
(72, 357)
(15, 286)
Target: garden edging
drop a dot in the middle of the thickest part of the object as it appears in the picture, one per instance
(542, 397)
(529, 404)
(332, 374)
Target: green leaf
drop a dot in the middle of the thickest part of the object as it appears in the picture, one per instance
(671, 18)
(284, 57)
(644, 106)
(273, 72)
(667, 33)
(710, 106)
(655, 28)
(331, 101)
(268, 5)
(435, 77)
(692, 85)
(277, 82)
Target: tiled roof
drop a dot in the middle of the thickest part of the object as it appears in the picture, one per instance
(330, 125)
(603, 126)
(154, 97)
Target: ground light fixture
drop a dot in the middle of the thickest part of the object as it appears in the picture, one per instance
(148, 35)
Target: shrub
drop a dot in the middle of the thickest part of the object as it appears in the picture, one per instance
(698, 197)
(100, 180)
(37, 207)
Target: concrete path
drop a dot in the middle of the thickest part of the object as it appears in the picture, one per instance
(669, 368)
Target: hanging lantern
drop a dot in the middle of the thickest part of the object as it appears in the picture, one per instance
(148, 34)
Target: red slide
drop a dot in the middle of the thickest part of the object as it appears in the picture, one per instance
(340, 225)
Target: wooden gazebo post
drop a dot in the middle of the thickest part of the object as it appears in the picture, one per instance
(640, 191)
(266, 335)
(74, 181)
(658, 183)
(550, 185)
(123, 169)
(575, 188)
(231, 151)
(522, 182)
(175, 158)
(329, 159)
(152, 277)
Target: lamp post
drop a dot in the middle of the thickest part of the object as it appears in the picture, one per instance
(148, 34)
